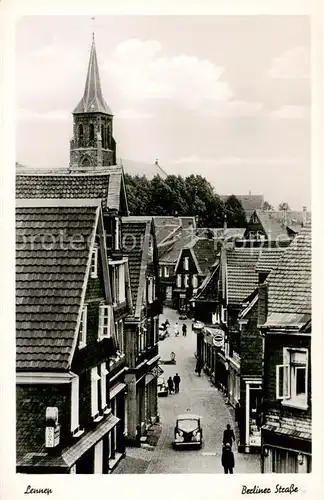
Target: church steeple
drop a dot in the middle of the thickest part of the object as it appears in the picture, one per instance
(92, 100)
(92, 144)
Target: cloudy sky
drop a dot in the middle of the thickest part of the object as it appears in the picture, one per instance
(224, 96)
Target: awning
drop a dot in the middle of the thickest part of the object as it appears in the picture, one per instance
(72, 454)
(287, 432)
(116, 389)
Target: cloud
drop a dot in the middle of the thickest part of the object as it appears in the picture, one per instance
(130, 113)
(291, 112)
(233, 109)
(192, 159)
(291, 64)
(140, 70)
(32, 115)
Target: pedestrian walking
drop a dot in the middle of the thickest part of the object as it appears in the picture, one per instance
(228, 436)
(170, 385)
(176, 380)
(176, 329)
(198, 367)
(228, 461)
(184, 330)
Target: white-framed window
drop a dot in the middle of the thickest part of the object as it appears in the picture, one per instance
(179, 280)
(141, 340)
(292, 377)
(75, 404)
(186, 264)
(105, 314)
(121, 284)
(195, 281)
(117, 242)
(83, 328)
(94, 263)
(166, 272)
(94, 392)
(186, 280)
(224, 315)
(103, 385)
(160, 271)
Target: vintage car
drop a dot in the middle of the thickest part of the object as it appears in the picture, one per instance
(162, 387)
(188, 431)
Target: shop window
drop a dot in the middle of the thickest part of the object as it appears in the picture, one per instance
(83, 328)
(292, 379)
(105, 313)
(284, 462)
(94, 263)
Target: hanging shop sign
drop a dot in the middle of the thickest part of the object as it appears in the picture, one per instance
(219, 339)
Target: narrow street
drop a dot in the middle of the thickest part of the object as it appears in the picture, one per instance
(199, 396)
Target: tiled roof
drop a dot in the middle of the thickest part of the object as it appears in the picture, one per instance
(61, 183)
(242, 278)
(272, 225)
(275, 222)
(49, 282)
(209, 290)
(269, 259)
(204, 250)
(173, 248)
(289, 294)
(165, 232)
(135, 247)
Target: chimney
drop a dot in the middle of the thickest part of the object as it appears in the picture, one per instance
(191, 229)
(263, 303)
(157, 162)
(304, 215)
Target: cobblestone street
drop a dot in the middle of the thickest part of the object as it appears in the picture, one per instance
(198, 395)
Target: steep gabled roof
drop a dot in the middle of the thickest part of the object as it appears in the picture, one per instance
(249, 202)
(92, 100)
(170, 250)
(51, 273)
(269, 259)
(242, 278)
(136, 240)
(209, 288)
(204, 252)
(289, 286)
(105, 183)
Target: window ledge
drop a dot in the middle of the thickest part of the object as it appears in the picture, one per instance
(78, 433)
(107, 411)
(82, 345)
(294, 404)
(98, 419)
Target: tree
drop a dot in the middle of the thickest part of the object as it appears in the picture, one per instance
(283, 206)
(235, 213)
(267, 206)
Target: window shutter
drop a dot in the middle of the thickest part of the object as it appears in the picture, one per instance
(282, 382)
(103, 385)
(74, 403)
(94, 391)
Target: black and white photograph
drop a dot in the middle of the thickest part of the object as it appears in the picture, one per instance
(163, 247)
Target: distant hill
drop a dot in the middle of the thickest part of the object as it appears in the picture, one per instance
(132, 167)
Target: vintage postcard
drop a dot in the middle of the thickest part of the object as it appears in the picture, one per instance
(161, 270)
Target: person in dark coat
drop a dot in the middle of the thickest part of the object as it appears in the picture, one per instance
(228, 436)
(184, 330)
(170, 385)
(198, 367)
(176, 380)
(228, 461)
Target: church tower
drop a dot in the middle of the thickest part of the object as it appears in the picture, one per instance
(92, 144)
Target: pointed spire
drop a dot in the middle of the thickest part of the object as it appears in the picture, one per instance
(92, 100)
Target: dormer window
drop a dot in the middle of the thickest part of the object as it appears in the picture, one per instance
(104, 322)
(186, 264)
(83, 328)
(94, 263)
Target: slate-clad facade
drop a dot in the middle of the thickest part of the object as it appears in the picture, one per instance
(287, 408)
(65, 423)
(142, 326)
